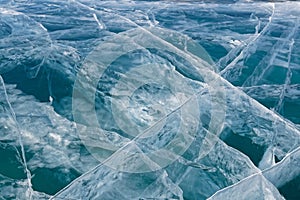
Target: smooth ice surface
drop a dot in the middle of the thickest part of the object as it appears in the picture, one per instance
(149, 99)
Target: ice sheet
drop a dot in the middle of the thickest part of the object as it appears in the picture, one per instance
(236, 107)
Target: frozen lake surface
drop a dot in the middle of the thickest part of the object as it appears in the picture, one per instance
(149, 99)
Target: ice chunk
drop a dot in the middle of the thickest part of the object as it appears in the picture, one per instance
(51, 145)
(253, 187)
(268, 160)
(22, 43)
(105, 183)
(262, 185)
(17, 189)
(221, 167)
(286, 170)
